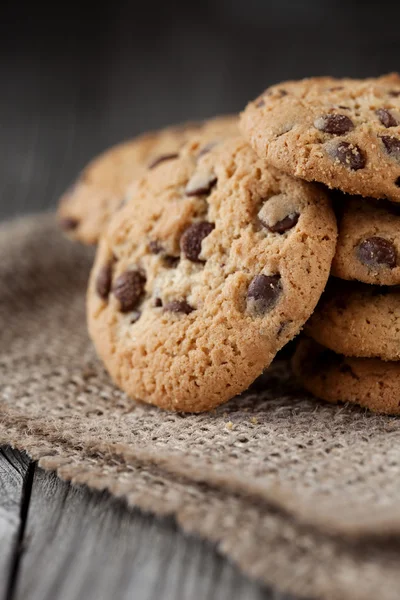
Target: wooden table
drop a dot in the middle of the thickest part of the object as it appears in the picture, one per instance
(61, 542)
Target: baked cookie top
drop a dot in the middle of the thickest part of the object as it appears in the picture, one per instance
(356, 319)
(368, 382)
(344, 133)
(86, 207)
(213, 265)
(368, 247)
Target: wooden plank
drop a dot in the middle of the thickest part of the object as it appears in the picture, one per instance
(13, 473)
(83, 544)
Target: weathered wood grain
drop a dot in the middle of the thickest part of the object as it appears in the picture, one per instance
(82, 544)
(13, 474)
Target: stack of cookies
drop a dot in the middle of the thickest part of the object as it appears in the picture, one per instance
(216, 242)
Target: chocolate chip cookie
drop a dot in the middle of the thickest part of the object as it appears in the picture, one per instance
(368, 247)
(86, 208)
(215, 263)
(368, 382)
(357, 319)
(344, 133)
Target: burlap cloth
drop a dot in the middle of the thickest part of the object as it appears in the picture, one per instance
(300, 494)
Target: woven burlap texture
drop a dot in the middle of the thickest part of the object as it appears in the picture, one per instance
(300, 494)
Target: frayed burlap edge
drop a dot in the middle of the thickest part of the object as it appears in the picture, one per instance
(267, 543)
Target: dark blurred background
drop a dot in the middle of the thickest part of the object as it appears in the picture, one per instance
(80, 76)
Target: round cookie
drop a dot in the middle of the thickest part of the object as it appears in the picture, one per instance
(356, 319)
(86, 208)
(368, 382)
(368, 247)
(344, 133)
(213, 265)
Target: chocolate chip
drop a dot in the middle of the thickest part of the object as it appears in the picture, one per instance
(192, 238)
(263, 293)
(284, 224)
(164, 157)
(334, 124)
(157, 302)
(376, 251)
(68, 223)
(128, 289)
(170, 262)
(397, 182)
(386, 117)
(104, 280)
(343, 107)
(394, 93)
(179, 306)
(155, 247)
(200, 184)
(392, 145)
(350, 155)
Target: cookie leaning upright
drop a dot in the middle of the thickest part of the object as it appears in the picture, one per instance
(86, 208)
(213, 265)
(344, 133)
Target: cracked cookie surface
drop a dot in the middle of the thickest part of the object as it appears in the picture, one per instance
(368, 247)
(356, 319)
(87, 206)
(214, 264)
(344, 133)
(368, 382)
